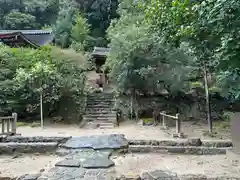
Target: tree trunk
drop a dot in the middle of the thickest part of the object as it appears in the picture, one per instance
(41, 108)
(207, 100)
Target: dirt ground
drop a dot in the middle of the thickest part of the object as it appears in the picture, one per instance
(131, 130)
(212, 166)
(12, 166)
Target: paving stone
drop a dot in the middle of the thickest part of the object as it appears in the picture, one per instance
(114, 141)
(192, 177)
(106, 175)
(64, 173)
(146, 176)
(97, 163)
(129, 177)
(163, 175)
(92, 173)
(82, 154)
(29, 177)
(69, 163)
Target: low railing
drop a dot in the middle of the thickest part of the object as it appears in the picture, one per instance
(178, 132)
(8, 125)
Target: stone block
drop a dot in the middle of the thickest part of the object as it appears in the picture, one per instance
(29, 177)
(114, 141)
(163, 175)
(194, 142)
(193, 150)
(64, 173)
(129, 177)
(217, 143)
(69, 163)
(192, 177)
(97, 163)
(213, 150)
(176, 149)
(12, 147)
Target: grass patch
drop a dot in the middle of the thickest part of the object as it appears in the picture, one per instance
(222, 125)
(20, 124)
(208, 134)
(31, 124)
(35, 124)
(148, 120)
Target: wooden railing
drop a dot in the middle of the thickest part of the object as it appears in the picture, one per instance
(178, 132)
(8, 125)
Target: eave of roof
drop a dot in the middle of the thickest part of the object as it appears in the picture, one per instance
(26, 31)
(35, 38)
(100, 51)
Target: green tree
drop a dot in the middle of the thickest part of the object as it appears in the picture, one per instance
(18, 20)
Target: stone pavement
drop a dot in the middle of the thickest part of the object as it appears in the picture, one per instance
(87, 158)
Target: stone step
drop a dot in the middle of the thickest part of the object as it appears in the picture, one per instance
(97, 109)
(100, 102)
(106, 127)
(101, 99)
(99, 115)
(101, 95)
(99, 106)
(100, 112)
(111, 119)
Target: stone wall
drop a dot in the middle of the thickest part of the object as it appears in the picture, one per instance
(189, 107)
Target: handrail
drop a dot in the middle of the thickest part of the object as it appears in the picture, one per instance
(9, 124)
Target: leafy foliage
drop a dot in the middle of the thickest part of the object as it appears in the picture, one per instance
(139, 60)
(25, 72)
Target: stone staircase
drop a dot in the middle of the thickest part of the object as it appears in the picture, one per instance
(99, 111)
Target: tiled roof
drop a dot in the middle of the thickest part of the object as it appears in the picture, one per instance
(35, 37)
(100, 51)
(26, 31)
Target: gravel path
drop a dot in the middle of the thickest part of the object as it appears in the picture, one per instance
(130, 129)
(11, 166)
(211, 166)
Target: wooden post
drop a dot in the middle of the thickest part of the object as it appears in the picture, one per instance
(163, 119)
(178, 124)
(14, 123)
(3, 126)
(8, 125)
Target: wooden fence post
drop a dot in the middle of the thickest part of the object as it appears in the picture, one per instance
(14, 123)
(3, 126)
(178, 124)
(163, 119)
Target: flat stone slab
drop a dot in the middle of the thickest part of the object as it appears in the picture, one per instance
(97, 163)
(69, 163)
(159, 174)
(113, 141)
(82, 154)
(88, 158)
(64, 173)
